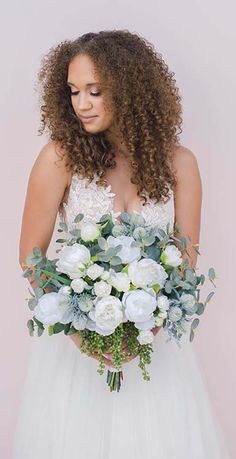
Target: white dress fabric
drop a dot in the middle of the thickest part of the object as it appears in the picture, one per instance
(67, 410)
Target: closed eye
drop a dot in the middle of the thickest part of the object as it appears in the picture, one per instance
(74, 93)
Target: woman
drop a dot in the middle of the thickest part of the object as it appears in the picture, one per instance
(113, 112)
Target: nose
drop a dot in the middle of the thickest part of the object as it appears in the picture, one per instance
(83, 102)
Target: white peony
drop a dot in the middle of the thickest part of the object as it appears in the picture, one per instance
(139, 305)
(120, 281)
(51, 307)
(163, 302)
(102, 288)
(145, 337)
(171, 256)
(72, 260)
(107, 314)
(94, 271)
(147, 272)
(127, 253)
(78, 285)
(175, 314)
(89, 231)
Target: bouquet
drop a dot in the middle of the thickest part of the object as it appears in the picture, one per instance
(114, 282)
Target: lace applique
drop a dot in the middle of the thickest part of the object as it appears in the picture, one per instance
(94, 201)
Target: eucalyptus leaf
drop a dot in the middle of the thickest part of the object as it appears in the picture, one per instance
(40, 331)
(115, 260)
(32, 303)
(211, 274)
(58, 327)
(209, 297)
(78, 218)
(201, 309)
(195, 324)
(30, 325)
(191, 335)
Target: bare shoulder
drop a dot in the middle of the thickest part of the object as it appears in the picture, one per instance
(185, 161)
(52, 160)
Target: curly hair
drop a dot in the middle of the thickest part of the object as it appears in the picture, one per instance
(141, 92)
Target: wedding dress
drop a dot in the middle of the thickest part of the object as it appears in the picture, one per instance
(67, 410)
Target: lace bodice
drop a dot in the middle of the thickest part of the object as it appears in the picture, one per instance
(94, 201)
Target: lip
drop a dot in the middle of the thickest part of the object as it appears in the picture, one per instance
(87, 119)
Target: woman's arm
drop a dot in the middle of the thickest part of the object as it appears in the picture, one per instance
(188, 199)
(46, 187)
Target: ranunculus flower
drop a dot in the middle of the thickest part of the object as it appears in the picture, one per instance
(174, 313)
(139, 305)
(78, 285)
(127, 253)
(145, 337)
(102, 288)
(120, 281)
(94, 271)
(89, 231)
(171, 256)
(107, 314)
(163, 302)
(189, 303)
(51, 307)
(72, 260)
(147, 272)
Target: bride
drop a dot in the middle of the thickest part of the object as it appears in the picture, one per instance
(113, 112)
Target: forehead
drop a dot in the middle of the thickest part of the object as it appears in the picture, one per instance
(81, 69)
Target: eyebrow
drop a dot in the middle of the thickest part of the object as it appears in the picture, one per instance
(87, 84)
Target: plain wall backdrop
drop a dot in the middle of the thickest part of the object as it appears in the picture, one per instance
(197, 42)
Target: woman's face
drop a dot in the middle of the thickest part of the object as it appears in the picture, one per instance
(86, 95)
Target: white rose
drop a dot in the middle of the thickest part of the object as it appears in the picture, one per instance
(85, 303)
(189, 303)
(89, 231)
(145, 337)
(72, 260)
(102, 288)
(147, 272)
(171, 256)
(127, 253)
(139, 305)
(163, 302)
(120, 281)
(51, 307)
(107, 314)
(78, 285)
(105, 275)
(65, 290)
(94, 271)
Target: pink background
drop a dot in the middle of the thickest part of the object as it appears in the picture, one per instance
(196, 41)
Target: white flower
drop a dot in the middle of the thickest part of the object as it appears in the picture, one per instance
(189, 303)
(139, 305)
(162, 314)
(85, 303)
(163, 302)
(159, 321)
(120, 281)
(65, 290)
(72, 260)
(94, 271)
(127, 253)
(80, 322)
(51, 307)
(147, 325)
(145, 337)
(107, 314)
(78, 285)
(174, 314)
(105, 275)
(171, 256)
(102, 288)
(89, 231)
(147, 272)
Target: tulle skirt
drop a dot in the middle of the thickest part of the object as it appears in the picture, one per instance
(68, 412)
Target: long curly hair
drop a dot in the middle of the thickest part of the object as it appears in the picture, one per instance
(141, 92)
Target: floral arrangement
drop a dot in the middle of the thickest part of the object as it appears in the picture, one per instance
(114, 282)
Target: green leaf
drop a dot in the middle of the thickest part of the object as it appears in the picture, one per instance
(40, 331)
(57, 276)
(30, 325)
(195, 324)
(40, 324)
(78, 217)
(209, 297)
(60, 240)
(58, 327)
(115, 261)
(32, 303)
(191, 335)
(211, 274)
(201, 309)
